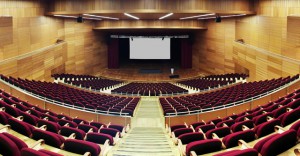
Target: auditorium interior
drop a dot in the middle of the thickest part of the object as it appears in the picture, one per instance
(149, 77)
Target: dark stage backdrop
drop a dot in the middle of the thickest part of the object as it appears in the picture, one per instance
(118, 54)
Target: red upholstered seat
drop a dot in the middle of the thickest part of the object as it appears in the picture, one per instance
(204, 146)
(80, 147)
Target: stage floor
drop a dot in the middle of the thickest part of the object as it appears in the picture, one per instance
(134, 74)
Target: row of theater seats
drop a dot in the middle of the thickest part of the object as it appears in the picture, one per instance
(87, 81)
(248, 126)
(149, 89)
(212, 81)
(57, 130)
(222, 98)
(63, 95)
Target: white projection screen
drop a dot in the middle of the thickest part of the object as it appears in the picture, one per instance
(150, 48)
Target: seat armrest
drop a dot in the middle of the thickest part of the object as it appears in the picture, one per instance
(215, 136)
(243, 144)
(2, 109)
(43, 127)
(279, 129)
(20, 118)
(87, 154)
(193, 153)
(72, 136)
(38, 144)
(244, 127)
(4, 128)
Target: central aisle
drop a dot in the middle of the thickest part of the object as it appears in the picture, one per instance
(147, 136)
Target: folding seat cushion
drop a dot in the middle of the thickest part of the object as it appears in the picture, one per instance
(196, 124)
(21, 127)
(177, 127)
(260, 143)
(261, 118)
(190, 137)
(8, 147)
(266, 128)
(279, 143)
(20, 144)
(35, 112)
(225, 122)
(15, 112)
(51, 126)
(181, 131)
(99, 138)
(221, 132)
(110, 131)
(231, 140)
(50, 138)
(86, 128)
(63, 122)
(117, 127)
(4, 118)
(239, 126)
(205, 128)
(204, 146)
(67, 131)
(97, 124)
(81, 147)
(245, 152)
(233, 117)
(290, 117)
(80, 121)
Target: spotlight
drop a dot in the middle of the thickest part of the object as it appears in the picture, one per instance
(218, 19)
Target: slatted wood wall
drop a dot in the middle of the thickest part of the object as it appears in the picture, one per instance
(27, 30)
(273, 30)
(212, 49)
(80, 5)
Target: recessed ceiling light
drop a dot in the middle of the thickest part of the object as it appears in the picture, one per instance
(131, 16)
(67, 16)
(222, 16)
(203, 15)
(165, 16)
(99, 19)
(106, 17)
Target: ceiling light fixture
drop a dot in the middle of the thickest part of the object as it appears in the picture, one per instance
(66, 16)
(203, 15)
(131, 16)
(222, 16)
(106, 17)
(99, 19)
(165, 16)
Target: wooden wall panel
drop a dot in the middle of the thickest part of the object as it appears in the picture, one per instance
(87, 49)
(80, 5)
(212, 49)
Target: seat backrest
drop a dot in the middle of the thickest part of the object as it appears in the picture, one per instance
(239, 126)
(245, 152)
(51, 126)
(181, 131)
(4, 118)
(80, 147)
(86, 127)
(205, 128)
(8, 147)
(20, 144)
(21, 127)
(110, 131)
(227, 122)
(32, 152)
(204, 146)
(117, 127)
(67, 131)
(50, 138)
(221, 132)
(190, 137)
(279, 143)
(231, 140)
(261, 142)
(290, 117)
(97, 124)
(99, 138)
(177, 127)
(62, 122)
(266, 128)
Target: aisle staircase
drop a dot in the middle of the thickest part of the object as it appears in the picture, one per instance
(147, 136)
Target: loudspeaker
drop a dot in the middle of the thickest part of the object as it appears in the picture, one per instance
(218, 19)
(79, 19)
